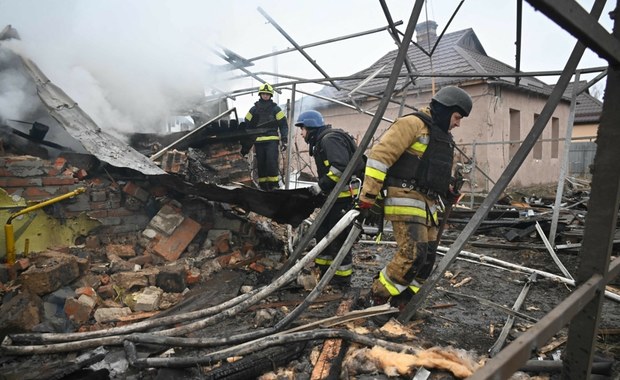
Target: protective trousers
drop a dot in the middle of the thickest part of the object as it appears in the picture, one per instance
(267, 164)
(411, 264)
(325, 258)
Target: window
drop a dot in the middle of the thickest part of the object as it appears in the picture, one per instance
(555, 137)
(538, 147)
(515, 132)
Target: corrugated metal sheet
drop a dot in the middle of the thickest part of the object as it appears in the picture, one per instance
(81, 127)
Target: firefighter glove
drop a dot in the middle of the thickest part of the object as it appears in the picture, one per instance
(366, 212)
(315, 189)
(282, 147)
(452, 196)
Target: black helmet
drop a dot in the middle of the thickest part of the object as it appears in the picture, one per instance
(453, 96)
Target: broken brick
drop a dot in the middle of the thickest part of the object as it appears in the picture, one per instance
(167, 220)
(98, 195)
(148, 299)
(80, 174)
(174, 162)
(193, 276)
(92, 242)
(220, 239)
(127, 280)
(122, 250)
(260, 268)
(106, 291)
(136, 191)
(79, 310)
(170, 248)
(83, 265)
(52, 270)
(21, 264)
(36, 194)
(20, 313)
(58, 181)
(111, 314)
(172, 279)
(60, 164)
(229, 259)
(87, 290)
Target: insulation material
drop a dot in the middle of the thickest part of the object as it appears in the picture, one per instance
(458, 362)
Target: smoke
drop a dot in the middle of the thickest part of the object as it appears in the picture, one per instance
(129, 65)
(18, 95)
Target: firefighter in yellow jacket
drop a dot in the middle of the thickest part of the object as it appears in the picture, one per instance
(413, 161)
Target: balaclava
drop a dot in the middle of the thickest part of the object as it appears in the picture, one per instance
(442, 114)
(311, 137)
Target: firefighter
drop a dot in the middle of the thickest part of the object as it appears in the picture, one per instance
(332, 150)
(267, 114)
(413, 161)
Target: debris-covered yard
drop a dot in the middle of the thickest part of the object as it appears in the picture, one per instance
(197, 293)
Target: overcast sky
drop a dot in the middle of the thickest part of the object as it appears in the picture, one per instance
(126, 61)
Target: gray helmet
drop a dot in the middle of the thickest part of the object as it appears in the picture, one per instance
(453, 96)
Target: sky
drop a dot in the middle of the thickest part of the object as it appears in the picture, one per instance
(128, 63)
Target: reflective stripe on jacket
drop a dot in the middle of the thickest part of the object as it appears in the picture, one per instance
(262, 113)
(332, 152)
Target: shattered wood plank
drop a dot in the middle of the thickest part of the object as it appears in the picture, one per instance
(329, 363)
(553, 345)
(138, 316)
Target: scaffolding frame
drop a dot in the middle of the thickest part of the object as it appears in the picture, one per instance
(581, 310)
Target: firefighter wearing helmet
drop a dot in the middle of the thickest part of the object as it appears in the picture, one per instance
(332, 150)
(413, 161)
(267, 115)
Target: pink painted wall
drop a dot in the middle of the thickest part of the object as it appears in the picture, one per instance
(484, 135)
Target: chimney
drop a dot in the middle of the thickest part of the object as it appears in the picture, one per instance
(426, 33)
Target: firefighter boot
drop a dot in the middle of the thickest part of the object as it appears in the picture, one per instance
(401, 300)
(341, 283)
(374, 300)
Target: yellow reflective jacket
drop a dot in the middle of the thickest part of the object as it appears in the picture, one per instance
(407, 135)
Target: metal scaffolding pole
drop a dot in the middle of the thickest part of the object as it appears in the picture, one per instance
(238, 64)
(564, 167)
(344, 105)
(393, 32)
(291, 122)
(297, 46)
(288, 50)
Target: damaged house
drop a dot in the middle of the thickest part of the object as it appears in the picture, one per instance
(505, 107)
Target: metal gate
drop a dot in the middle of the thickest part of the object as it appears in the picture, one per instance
(581, 156)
